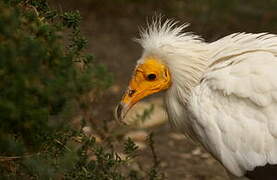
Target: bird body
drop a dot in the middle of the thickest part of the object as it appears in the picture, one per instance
(232, 109)
(222, 94)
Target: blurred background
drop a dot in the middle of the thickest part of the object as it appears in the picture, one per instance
(109, 27)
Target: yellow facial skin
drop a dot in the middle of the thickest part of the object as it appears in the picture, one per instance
(149, 78)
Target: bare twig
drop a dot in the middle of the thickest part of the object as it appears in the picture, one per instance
(13, 158)
(153, 151)
(60, 143)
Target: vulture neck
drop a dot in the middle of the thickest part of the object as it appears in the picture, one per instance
(186, 69)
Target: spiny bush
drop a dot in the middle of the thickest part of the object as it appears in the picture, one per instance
(44, 84)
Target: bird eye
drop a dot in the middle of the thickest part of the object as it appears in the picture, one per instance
(151, 77)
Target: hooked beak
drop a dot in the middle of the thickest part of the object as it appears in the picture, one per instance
(128, 100)
(121, 111)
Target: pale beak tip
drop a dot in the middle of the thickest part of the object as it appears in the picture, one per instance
(118, 112)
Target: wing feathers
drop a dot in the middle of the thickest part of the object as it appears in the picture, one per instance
(241, 95)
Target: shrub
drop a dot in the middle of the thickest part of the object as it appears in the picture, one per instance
(44, 86)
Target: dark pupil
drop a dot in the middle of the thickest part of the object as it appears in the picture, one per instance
(151, 76)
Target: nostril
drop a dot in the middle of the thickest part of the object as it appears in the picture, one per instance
(131, 92)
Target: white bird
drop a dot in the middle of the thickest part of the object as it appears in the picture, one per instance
(222, 94)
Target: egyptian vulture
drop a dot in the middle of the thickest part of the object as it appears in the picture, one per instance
(222, 94)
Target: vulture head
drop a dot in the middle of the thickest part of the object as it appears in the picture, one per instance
(171, 61)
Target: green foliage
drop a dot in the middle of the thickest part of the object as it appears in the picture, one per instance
(71, 19)
(39, 79)
(130, 148)
(44, 86)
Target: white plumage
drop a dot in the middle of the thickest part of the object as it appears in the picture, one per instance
(223, 94)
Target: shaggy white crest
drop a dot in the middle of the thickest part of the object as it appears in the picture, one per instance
(158, 34)
(224, 94)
